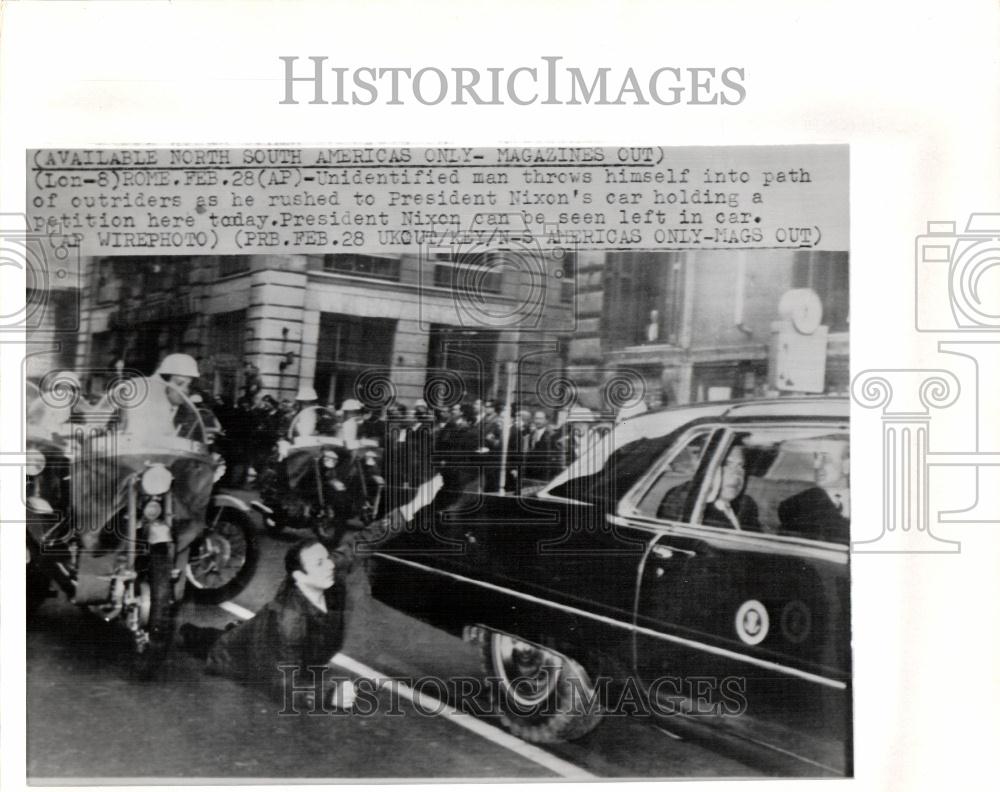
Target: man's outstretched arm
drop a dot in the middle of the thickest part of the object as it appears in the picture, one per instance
(360, 544)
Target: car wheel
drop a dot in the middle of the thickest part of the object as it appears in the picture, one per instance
(542, 695)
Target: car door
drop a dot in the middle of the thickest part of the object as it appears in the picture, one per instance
(561, 549)
(739, 624)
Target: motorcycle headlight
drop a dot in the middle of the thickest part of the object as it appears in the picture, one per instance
(156, 480)
(35, 462)
(152, 510)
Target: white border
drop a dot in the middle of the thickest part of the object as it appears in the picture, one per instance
(911, 87)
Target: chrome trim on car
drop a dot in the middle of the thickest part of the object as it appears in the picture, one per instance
(806, 675)
(765, 543)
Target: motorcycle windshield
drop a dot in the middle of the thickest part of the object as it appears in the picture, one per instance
(152, 424)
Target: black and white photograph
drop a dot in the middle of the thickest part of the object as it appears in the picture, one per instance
(499, 502)
(512, 394)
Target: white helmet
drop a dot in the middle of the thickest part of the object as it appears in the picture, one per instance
(306, 393)
(178, 364)
(351, 405)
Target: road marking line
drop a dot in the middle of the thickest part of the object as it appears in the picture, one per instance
(466, 721)
(431, 704)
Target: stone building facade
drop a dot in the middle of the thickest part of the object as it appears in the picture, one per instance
(342, 322)
(696, 325)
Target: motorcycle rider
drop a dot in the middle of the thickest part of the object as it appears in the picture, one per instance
(157, 409)
(292, 466)
(304, 424)
(150, 410)
(350, 428)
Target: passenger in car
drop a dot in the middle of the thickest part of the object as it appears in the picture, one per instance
(726, 505)
(824, 511)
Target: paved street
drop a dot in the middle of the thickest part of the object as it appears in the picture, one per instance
(90, 719)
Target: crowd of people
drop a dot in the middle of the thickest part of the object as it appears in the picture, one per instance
(465, 441)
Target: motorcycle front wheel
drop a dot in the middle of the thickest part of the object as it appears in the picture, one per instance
(152, 645)
(223, 559)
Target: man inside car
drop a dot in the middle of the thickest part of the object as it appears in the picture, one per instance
(726, 504)
(823, 511)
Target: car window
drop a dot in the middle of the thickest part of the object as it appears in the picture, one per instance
(669, 495)
(603, 474)
(787, 481)
(619, 455)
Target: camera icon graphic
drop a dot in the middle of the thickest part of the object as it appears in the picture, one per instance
(958, 275)
(51, 278)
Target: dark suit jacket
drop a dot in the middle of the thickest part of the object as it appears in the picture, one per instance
(288, 631)
(743, 506)
(544, 455)
(813, 515)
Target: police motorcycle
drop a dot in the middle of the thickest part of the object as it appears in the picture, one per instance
(140, 482)
(47, 477)
(223, 559)
(319, 481)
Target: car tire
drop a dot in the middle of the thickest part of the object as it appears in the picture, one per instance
(556, 705)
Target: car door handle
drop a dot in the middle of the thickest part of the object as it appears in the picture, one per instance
(665, 553)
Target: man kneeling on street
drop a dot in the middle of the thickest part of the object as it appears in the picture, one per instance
(285, 649)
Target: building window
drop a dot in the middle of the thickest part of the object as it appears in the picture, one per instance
(470, 353)
(226, 336)
(381, 267)
(348, 345)
(233, 265)
(227, 332)
(826, 273)
(643, 298)
(163, 273)
(743, 379)
(567, 285)
(473, 273)
(105, 349)
(109, 282)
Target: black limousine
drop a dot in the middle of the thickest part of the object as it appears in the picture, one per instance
(692, 564)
